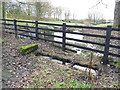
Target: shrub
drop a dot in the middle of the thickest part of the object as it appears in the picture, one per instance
(118, 64)
(28, 49)
(118, 26)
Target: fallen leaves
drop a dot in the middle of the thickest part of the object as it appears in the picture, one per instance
(25, 68)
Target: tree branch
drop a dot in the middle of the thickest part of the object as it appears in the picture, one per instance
(100, 2)
(23, 2)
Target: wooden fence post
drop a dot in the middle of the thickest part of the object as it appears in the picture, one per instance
(107, 44)
(64, 36)
(36, 28)
(15, 26)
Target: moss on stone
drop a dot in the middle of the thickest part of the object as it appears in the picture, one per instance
(1, 42)
(28, 49)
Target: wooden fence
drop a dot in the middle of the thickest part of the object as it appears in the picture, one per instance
(107, 37)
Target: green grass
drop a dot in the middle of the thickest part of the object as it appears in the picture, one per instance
(57, 84)
(50, 79)
(118, 64)
(104, 25)
(58, 22)
(53, 22)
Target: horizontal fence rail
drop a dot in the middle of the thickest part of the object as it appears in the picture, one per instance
(38, 30)
(49, 24)
(7, 20)
(9, 28)
(8, 24)
(26, 31)
(86, 27)
(25, 26)
(51, 41)
(25, 21)
(85, 41)
(50, 35)
(84, 48)
(85, 34)
(50, 29)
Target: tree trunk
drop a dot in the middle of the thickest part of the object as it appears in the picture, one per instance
(3, 10)
(117, 14)
(0, 9)
(28, 9)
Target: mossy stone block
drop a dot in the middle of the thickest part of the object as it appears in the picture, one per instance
(1, 42)
(28, 49)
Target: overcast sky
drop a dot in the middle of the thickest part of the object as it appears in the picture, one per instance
(82, 7)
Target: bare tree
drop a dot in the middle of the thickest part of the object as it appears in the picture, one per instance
(54, 12)
(117, 14)
(14, 10)
(99, 2)
(74, 15)
(67, 15)
(31, 9)
(116, 11)
(95, 17)
(57, 12)
(48, 10)
(90, 17)
(28, 9)
(38, 10)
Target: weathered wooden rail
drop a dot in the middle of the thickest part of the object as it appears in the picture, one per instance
(107, 37)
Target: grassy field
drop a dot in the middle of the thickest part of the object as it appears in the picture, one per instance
(104, 25)
(60, 22)
(53, 22)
